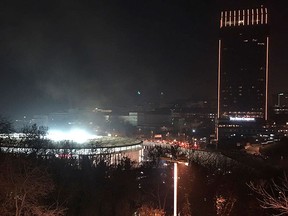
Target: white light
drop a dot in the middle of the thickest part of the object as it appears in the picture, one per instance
(175, 188)
(241, 119)
(79, 136)
(76, 135)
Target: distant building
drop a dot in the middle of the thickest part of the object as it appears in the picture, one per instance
(279, 114)
(192, 118)
(243, 69)
(280, 99)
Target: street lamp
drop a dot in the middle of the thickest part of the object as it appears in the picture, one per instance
(175, 178)
(175, 184)
(175, 187)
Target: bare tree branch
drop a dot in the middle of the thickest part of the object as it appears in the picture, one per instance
(273, 195)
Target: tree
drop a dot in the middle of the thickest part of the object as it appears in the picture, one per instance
(153, 155)
(25, 188)
(273, 195)
(146, 210)
(6, 126)
(186, 209)
(35, 138)
(35, 132)
(175, 151)
(224, 205)
(126, 164)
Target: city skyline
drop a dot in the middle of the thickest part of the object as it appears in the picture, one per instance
(59, 55)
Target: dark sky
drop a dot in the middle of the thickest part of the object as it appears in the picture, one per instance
(58, 54)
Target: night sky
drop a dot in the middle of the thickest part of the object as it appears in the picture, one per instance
(56, 55)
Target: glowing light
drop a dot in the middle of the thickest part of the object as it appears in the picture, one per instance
(241, 119)
(239, 19)
(175, 188)
(76, 135)
(266, 16)
(243, 17)
(234, 18)
(267, 78)
(221, 20)
(257, 16)
(219, 77)
(252, 17)
(262, 15)
(248, 18)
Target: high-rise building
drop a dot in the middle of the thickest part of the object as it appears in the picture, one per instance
(279, 111)
(243, 68)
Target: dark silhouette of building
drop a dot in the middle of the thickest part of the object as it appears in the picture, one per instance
(243, 69)
(279, 111)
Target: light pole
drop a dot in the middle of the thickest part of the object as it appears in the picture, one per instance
(176, 184)
(175, 179)
(175, 187)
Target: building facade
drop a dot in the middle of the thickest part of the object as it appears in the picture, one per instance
(243, 70)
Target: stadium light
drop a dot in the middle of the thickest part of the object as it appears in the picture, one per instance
(76, 135)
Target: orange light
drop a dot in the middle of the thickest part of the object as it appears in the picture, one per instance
(221, 20)
(252, 21)
(234, 18)
(248, 20)
(257, 16)
(266, 16)
(244, 23)
(262, 16)
(239, 17)
(267, 77)
(219, 73)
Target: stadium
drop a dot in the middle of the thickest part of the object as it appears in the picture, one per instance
(107, 148)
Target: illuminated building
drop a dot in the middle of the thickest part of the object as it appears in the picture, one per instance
(282, 99)
(82, 145)
(279, 113)
(243, 57)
